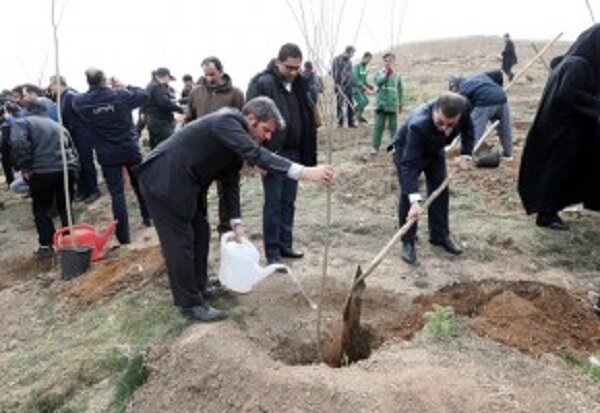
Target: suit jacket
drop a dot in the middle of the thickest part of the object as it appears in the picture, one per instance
(182, 168)
(419, 142)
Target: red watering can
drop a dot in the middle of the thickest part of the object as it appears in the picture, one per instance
(84, 234)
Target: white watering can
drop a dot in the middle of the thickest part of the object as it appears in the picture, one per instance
(239, 270)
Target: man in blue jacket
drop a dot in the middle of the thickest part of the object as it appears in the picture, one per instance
(489, 103)
(419, 147)
(297, 142)
(107, 111)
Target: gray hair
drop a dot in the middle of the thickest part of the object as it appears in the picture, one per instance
(264, 109)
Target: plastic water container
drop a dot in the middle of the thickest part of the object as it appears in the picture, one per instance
(239, 269)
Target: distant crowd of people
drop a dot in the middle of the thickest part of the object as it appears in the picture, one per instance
(273, 125)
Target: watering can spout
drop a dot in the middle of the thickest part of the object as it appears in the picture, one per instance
(270, 269)
(102, 238)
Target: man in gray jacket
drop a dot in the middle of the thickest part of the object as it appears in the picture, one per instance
(176, 175)
(36, 144)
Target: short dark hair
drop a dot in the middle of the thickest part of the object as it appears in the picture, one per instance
(31, 88)
(215, 61)
(264, 109)
(389, 54)
(308, 65)
(367, 54)
(187, 78)
(94, 77)
(18, 90)
(350, 49)
(451, 104)
(289, 50)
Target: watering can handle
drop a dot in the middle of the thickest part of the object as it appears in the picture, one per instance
(230, 237)
(59, 233)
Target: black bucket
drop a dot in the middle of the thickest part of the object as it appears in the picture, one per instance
(490, 159)
(74, 260)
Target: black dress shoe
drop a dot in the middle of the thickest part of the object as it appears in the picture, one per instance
(204, 313)
(408, 254)
(291, 253)
(449, 244)
(552, 221)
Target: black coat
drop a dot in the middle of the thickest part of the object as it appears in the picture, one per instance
(268, 83)
(509, 55)
(179, 170)
(561, 157)
(161, 103)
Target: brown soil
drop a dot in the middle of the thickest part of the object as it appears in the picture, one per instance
(126, 269)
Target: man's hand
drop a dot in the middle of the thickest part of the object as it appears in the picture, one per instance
(238, 232)
(321, 173)
(399, 109)
(415, 211)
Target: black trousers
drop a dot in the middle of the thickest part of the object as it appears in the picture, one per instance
(344, 100)
(6, 155)
(435, 173)
(45, 189)
(184, 244)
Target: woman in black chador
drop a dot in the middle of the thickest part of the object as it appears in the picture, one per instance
(561, 158)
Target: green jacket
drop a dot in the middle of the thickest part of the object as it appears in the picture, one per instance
(359, 77)
(389, 91)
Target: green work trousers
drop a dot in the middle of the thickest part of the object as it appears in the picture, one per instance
(381, 118)
(361, 101)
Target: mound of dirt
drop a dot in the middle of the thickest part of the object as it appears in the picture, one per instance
(533, 317)
(265, 358)
(128, 269)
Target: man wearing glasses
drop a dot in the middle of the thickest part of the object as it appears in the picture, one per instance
(297, 142)
(419, 147)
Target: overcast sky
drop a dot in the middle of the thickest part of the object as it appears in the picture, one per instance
(130, 38)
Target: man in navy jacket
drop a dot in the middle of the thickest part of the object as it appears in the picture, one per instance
(489, 103)
(176, 175)
(107, 111)
(419, 147)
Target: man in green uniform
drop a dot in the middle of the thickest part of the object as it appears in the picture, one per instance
(360, 86)
(389, 101)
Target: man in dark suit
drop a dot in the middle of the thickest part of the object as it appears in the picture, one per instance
(176, 175)
(419, 147)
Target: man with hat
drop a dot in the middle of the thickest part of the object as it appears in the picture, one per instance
(160, 107)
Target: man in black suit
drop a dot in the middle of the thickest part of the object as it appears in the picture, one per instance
(419, 147)
(177, 173)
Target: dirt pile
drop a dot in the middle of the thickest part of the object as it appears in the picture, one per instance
(533, 317)
(127, 269)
